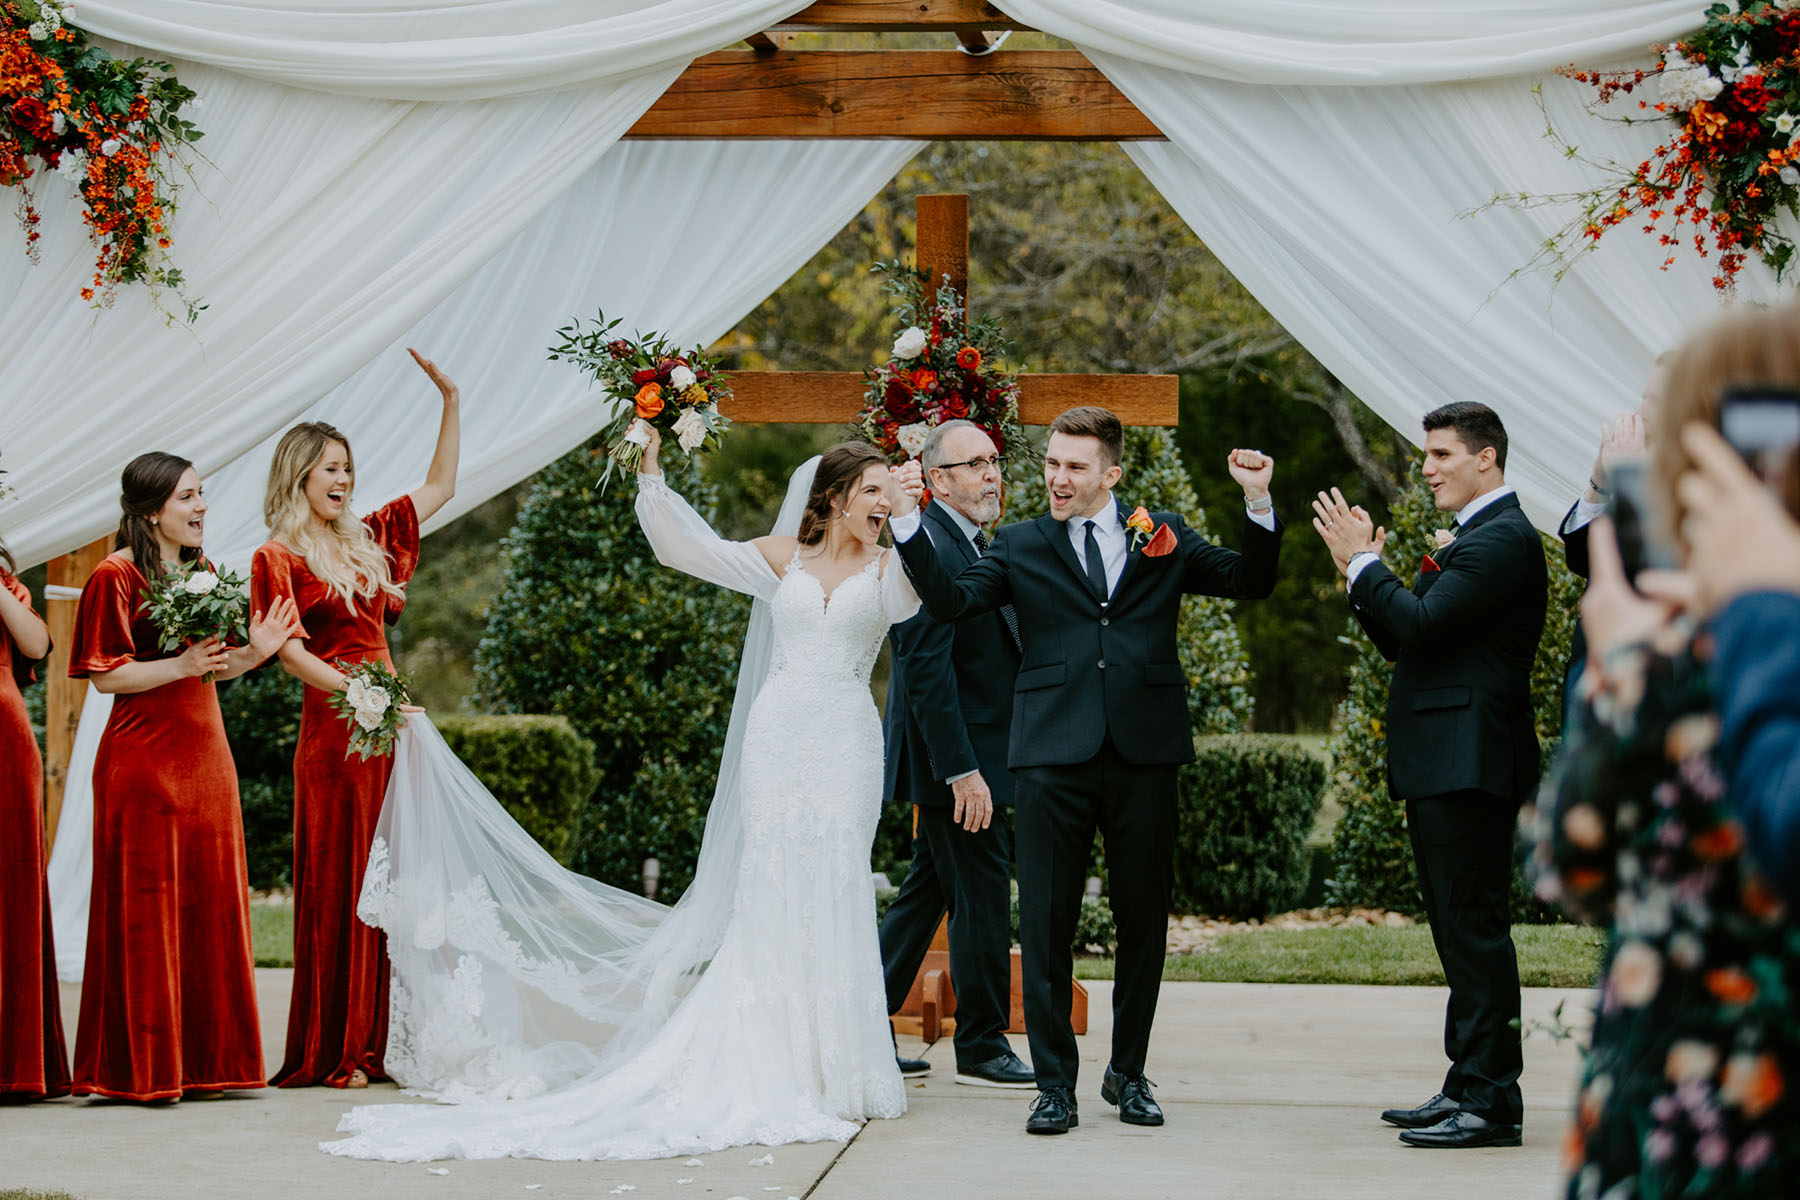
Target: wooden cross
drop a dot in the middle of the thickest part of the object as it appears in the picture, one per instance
(835, 397)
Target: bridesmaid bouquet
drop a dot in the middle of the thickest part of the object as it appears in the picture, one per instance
(194, 602)
(371, 702)
(655, 382)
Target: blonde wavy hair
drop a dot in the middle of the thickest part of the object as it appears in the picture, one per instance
(346, 556)
(1746, 347)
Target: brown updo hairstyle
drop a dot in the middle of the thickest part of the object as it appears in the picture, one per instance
(840, 469)
(145, 486)
(1746, 347)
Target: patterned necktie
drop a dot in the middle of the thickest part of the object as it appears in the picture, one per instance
(1096, 566)
(1006, 610)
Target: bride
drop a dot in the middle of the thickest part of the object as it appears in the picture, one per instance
(569, 1020)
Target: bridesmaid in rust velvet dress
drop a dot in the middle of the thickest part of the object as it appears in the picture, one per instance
(33, 1063)
(347, 576)
(168, 997)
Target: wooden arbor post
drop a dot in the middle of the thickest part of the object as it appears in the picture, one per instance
(68, 574)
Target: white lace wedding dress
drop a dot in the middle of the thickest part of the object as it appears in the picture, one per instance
(569, 1020)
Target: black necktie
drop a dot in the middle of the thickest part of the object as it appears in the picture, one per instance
(1006, 610)
(1096, 566)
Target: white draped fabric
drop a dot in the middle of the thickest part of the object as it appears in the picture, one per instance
(435, 49)
(709, 202)
(1327, 151)
(324, 228)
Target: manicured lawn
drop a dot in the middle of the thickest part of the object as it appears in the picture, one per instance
(271, 940)
(1549, 956)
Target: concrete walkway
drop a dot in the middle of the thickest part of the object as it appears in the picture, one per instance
(1271, 1091)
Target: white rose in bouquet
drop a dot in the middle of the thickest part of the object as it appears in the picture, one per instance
(200, 583)
(681, 379)
(375, 699)
(910, 343)
(1684, 85)
(690, 429)
(355, 692)
(912, 438)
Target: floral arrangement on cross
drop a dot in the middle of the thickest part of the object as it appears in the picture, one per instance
(114, 127)
(943, 367)
(655, 382)
(1730, 165)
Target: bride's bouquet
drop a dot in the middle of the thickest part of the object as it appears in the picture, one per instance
(195, 602)
(678, 391)
(371, 702)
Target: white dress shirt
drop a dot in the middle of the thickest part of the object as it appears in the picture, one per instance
(1361, 560)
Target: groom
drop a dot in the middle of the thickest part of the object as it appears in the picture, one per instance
(1100, 724)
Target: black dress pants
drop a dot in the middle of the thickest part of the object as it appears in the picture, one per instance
(1462, 844)
(968, 875)
(1056, 812)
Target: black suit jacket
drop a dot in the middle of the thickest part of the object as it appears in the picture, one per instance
(1575, 553)
(949, 700)
(1095, 669)
(1462, 642)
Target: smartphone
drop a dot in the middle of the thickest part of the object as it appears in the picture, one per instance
(1763, 426)
(1640, 546)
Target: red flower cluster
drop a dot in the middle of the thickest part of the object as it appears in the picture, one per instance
(61, 96)
(1729, 167)
(946, 373)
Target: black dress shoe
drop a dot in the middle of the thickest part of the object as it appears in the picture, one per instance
(1001, 1071)
(1132, 1094)
(1463, 1130)
(1424, 1116)
(912, 1068)
(1054, 1112)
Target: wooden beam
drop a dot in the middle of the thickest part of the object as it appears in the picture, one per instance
(897, 16)
(63, 696)
(766, 43)
(942, 240)
(1009, 95)
(835, 397)
(975, 41)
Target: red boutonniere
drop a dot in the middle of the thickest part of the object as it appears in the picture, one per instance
(1428, 565)
(1154, 545)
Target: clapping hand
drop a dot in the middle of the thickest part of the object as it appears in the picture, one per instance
(270, 633)
(1621, 441)
(1253, 471)
(1346, 529)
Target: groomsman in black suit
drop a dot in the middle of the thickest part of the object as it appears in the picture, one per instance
(1462, 747)
(1100, 724)
(949, 711)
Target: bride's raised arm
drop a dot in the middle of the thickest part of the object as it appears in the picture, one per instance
(681, 538)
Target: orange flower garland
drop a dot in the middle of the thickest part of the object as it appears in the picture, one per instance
(1729, 166)
(115, 126)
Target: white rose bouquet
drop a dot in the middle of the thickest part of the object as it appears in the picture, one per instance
(195, 602)
(371, 702)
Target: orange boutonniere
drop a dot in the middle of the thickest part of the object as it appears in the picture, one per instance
(1139, 524)
(1154, 545)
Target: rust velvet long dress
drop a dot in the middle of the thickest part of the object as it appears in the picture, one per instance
(337, 1019)
(168, 994)
(33, 1062)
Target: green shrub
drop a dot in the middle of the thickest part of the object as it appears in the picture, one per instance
(268, 830)
(642, 660)
(538, 767)
(1246, 807)
(1095, 930)
(262, 723)
(1372, 861)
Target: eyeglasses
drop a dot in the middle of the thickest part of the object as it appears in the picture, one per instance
(991, 462)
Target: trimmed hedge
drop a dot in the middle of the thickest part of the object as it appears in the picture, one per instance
(262, 723)
(537, 766)
(1246, 806)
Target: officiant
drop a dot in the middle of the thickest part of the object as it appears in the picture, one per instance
(949, 714)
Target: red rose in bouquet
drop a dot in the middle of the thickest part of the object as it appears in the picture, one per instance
(955, 407)
(33, 116)
(969, 358)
